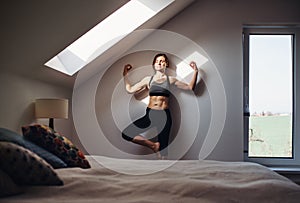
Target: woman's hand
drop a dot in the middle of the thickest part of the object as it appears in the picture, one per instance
(127, 67)
(194, 66)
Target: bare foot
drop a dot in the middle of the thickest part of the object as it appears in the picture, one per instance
(156, 147)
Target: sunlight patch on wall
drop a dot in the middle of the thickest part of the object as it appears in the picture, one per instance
(104, 35)
(184, 69)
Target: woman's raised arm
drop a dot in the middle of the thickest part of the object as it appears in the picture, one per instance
(136, 87)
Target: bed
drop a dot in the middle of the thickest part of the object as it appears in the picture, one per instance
(41, 165)
(116, 180)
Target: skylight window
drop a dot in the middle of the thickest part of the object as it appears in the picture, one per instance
(104, 35)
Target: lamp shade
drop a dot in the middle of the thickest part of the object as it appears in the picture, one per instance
(51, 108)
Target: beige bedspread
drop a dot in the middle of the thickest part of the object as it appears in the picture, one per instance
(185, 181)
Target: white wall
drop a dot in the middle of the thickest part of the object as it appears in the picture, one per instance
(18, 94)
(216, 26)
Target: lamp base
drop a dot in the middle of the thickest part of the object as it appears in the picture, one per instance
(51, 123)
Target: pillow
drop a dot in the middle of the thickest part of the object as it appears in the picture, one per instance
(10, 136)
(57, 144)
(25, 167)
(8, 186)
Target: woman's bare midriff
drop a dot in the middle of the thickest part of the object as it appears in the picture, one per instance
(158, 102)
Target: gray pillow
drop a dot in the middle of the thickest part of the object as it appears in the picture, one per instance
(25, 167)
(8, 186)
(10, 136)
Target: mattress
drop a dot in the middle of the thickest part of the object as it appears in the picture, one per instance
(136, 181)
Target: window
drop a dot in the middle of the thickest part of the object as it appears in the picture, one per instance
(270, 97)
(104, 35)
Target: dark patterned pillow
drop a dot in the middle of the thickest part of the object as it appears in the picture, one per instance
(10, 136)
(25, 167)
(57, 144)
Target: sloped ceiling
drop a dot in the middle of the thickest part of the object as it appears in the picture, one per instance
(33, 31)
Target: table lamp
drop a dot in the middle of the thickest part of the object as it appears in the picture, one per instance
(51, 108)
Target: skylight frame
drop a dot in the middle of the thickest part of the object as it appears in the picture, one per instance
(105, 34)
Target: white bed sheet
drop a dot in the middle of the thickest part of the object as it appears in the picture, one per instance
(185, 181)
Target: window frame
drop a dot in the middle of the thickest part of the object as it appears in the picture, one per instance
(273, 30)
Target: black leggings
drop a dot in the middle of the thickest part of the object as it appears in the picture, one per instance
(161, 119)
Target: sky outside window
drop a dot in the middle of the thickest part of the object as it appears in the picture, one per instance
(270, 73)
